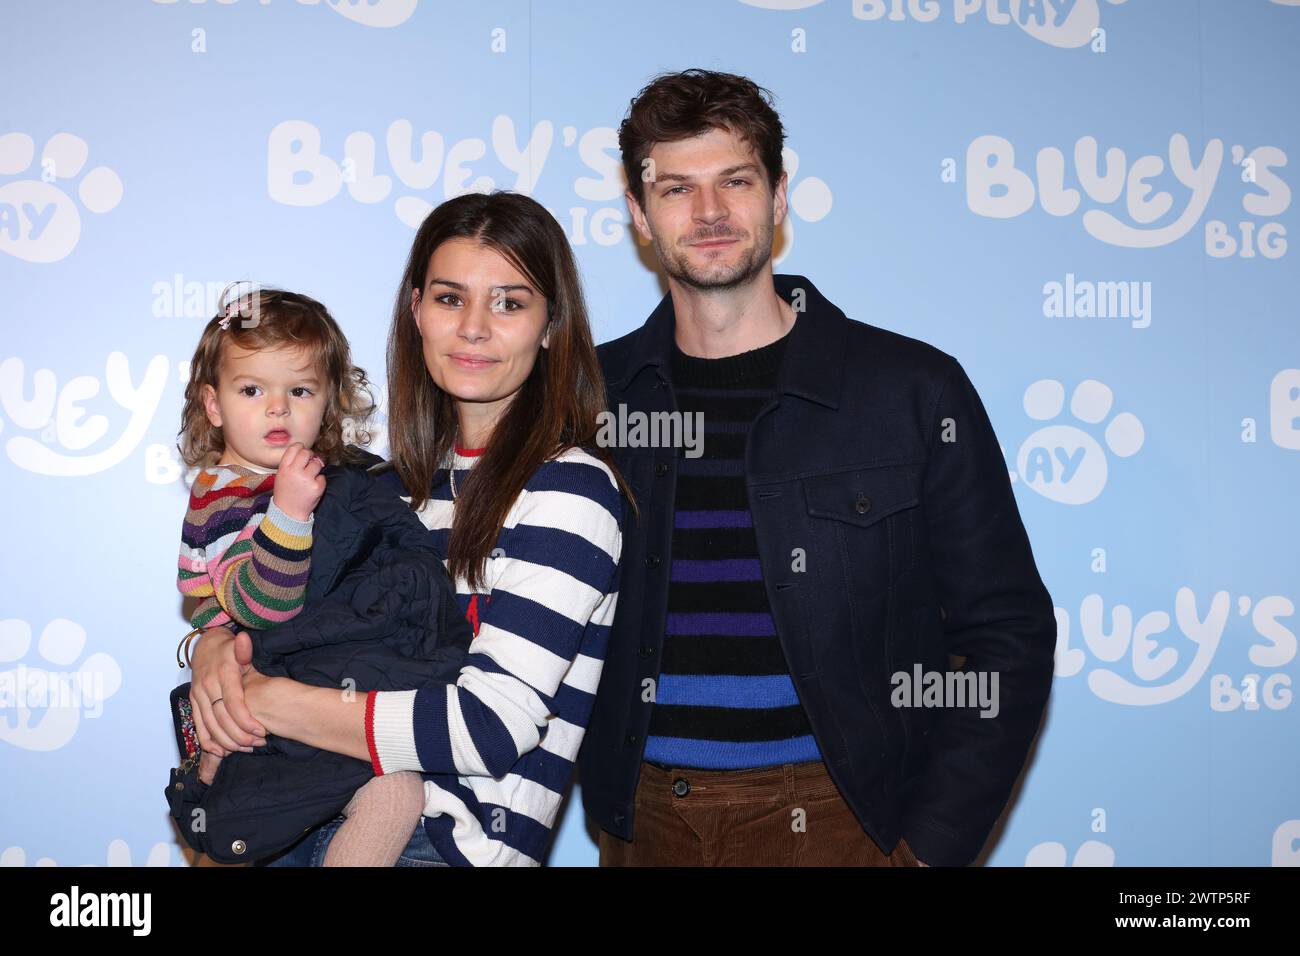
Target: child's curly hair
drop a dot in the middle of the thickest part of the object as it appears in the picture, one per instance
(267, 318)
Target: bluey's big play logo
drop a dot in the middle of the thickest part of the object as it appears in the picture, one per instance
(39, 220)
(59, 420)
(1168, 657)
(1059, 23)
(370, 13)
(998, 188)
(300, 171)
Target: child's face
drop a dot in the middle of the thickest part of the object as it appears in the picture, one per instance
(264, 401)
(482, 323)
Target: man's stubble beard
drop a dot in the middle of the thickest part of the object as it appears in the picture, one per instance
(710, 279)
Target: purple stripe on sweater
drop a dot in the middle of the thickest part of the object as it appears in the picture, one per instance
(731, 624)
(283, 579)
(727, 569)
(712, 519)
(225, 518)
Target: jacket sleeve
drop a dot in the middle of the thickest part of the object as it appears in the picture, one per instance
(997, 614)
(261, 579)
(560, 563)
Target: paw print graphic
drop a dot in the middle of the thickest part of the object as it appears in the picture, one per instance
(1064, 462)
(1286, 838)
(1090, 853)
(374, 13)
(49, 699)
(810, 200)
(119, 854)
(1082, 18)
(39, 221)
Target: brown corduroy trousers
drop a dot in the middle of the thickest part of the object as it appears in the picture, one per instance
(791, 815)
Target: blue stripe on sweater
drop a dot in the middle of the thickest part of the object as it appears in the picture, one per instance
(568, 552)
(532, 621)
(727, 690)
(730, 755)
(578, 478)
(516, 830)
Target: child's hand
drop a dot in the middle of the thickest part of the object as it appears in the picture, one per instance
(208, 766)
(298, 484)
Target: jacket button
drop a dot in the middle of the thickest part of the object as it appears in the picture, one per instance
(681, 787)
(652, 561)
(661, 468)
(863, 504)
(647, 651)
(238, 847)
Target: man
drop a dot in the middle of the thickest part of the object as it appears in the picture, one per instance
(849, 525)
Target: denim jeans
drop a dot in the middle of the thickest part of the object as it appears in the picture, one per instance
(310, 850)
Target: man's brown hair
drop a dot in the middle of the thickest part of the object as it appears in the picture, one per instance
(676, 106)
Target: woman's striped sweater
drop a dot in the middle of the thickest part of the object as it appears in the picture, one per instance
(240, 553)
(498, 747)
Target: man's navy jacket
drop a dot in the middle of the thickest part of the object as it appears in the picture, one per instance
(876, 463)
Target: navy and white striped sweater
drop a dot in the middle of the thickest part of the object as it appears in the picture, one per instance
(498, 747)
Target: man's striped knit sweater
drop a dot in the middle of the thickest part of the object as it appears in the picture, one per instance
(725, 699)
(240, 553)
(498, 747)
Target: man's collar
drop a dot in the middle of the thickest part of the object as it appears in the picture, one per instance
(813, 365)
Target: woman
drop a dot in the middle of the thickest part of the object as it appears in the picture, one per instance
(491, 371)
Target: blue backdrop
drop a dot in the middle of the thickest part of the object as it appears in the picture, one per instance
(1087, 202)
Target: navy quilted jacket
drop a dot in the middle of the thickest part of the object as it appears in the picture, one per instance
(380, 614)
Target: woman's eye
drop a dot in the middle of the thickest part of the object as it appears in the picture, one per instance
(517, 305)
(448, 295)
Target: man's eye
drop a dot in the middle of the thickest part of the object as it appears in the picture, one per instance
(673, 190)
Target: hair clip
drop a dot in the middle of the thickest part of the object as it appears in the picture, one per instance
(231, 312)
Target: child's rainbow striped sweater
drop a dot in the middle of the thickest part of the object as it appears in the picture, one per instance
(240, 553)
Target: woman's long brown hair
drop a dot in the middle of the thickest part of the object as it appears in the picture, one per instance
(555, 408)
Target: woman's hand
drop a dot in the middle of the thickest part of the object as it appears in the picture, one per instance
(221, 717)
(262, 694)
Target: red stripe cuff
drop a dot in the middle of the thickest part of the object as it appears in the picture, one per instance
(370, 734)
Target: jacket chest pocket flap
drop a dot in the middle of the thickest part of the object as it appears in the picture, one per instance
(864, 495)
